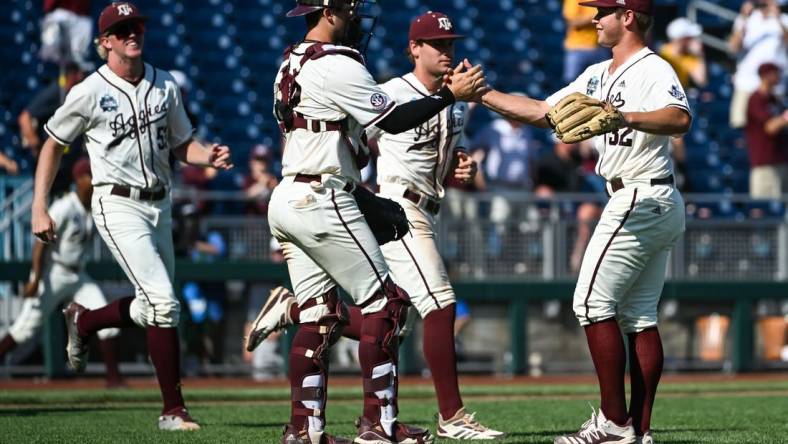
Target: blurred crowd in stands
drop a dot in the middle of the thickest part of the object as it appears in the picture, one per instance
(511, 157)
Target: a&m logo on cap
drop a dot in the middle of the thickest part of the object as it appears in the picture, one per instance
(124, 9)
(444, 23)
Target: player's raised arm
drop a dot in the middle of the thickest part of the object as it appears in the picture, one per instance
(48, 162)
(465, 85)
(521, 108)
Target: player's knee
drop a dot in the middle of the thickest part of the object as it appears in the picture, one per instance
(588, 311)
(108, 333)
(391, 304)
(635, 324)
(147, 313)
(23, 334)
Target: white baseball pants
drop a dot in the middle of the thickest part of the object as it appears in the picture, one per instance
(58, 285)
(139, 235)
(623, 270)
(414, 260)
(326, 243)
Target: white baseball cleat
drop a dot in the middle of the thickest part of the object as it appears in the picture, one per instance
(464, 426)
(599, 430)
(645, 439)
(275, 315)
(177, 420)
(76, 349)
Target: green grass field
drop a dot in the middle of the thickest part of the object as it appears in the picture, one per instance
(734, 412)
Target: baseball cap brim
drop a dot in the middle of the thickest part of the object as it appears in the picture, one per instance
(109, 27)
(442, 37)
(300, 10)
(602, 4)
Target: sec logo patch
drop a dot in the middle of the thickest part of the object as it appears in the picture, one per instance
(379, 101)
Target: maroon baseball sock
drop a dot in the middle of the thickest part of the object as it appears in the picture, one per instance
(300, 367)
(164, 348)
(607, 352)
(6, 344)
(353, 328)
(645, 369)
(295, 314)
(442, 360)
(109, 351)
(116, 314)
(372, 354)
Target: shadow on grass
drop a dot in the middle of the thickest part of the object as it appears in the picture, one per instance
(256, 425)
(48, 410)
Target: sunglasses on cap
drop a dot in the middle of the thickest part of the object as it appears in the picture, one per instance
(125, 29)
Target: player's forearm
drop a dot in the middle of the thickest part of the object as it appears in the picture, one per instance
(27, 129)
(412, 114)
(194, 153)
(48, 163)
(670, 121)
(37, 260)
(522, 109)
(735, 41)
(776, 124)
(699, 75)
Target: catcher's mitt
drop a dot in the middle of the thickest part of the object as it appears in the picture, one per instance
(578, 117)
(385, 217)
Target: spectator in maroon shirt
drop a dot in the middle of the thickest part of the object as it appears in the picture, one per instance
(767, 137)
(260, 182)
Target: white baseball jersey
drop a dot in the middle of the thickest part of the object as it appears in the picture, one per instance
(131, 127)
(74, 228)
(645, 82)
(420, 158)
(333, 87)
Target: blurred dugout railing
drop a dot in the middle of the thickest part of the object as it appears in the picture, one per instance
(517, 236)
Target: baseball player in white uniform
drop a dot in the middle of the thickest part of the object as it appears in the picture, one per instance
(412, 167)
(623, 270)
(132, 117)
(58, 273)
(325, 100)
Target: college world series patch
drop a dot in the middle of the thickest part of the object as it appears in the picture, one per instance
(108, 103)
(379, 101)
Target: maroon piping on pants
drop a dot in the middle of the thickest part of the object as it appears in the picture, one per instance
(424, 279)
(602, 256)
(353, 236)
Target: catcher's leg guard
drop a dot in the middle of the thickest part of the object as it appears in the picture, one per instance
(378, 353)
(309, 370)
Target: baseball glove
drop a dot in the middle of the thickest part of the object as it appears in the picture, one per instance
(578, 117)
(385, 217)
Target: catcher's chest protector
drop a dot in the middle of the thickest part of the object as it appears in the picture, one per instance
(288, 93)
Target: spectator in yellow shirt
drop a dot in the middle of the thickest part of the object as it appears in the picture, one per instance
(580, 45)
(684, 52)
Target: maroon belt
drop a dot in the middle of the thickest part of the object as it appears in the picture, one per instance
(432, 205)
(123, 191)
(617, 183)
(308, 178)
(300, 122)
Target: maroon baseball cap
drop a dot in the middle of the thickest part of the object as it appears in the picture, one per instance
(767, 67)
(81, 168)
(432, 26)
(118, 12)
(643, 6)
